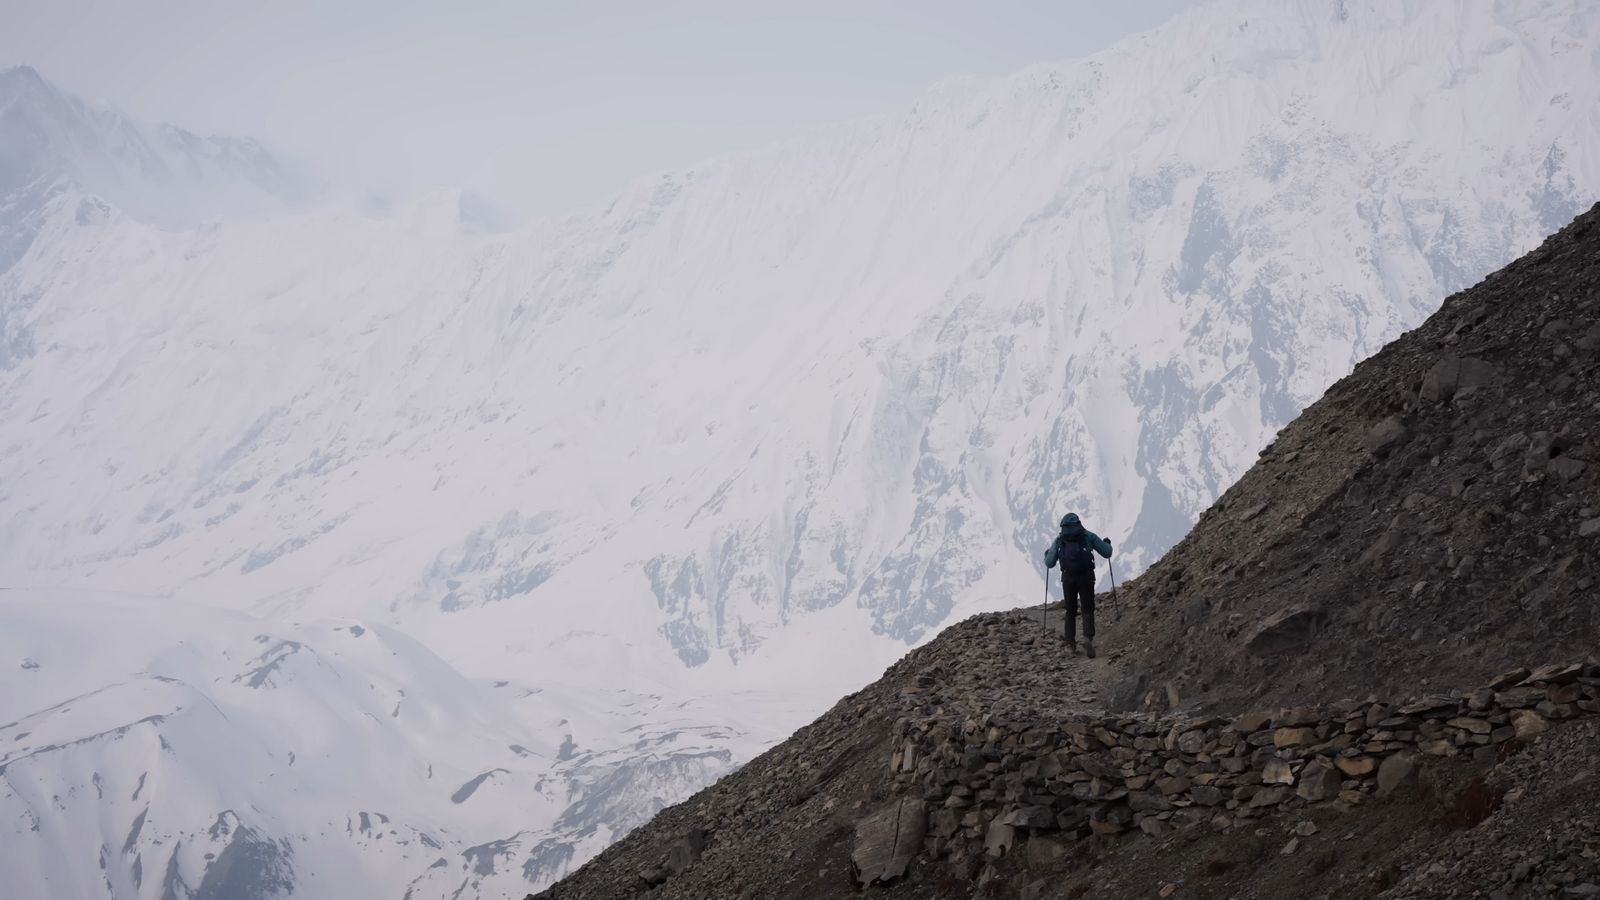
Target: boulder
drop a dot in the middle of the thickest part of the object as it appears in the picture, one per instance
(1507, 679)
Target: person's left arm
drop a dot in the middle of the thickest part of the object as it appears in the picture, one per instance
(1100, 544)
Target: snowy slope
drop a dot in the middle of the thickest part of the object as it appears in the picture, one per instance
(155, 749)
(745, 433)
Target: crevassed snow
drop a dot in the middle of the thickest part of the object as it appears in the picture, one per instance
(748, 432)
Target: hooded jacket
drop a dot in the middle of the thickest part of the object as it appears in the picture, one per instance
(1071, 528)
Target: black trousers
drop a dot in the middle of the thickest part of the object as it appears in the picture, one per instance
(1079, 591)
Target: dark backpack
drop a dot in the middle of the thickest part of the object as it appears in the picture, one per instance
(1077, 561)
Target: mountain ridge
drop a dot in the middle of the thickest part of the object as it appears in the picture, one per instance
(993, 751)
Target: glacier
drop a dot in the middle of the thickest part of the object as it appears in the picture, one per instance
(719, 451)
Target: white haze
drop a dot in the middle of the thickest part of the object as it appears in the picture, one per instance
(540, 107)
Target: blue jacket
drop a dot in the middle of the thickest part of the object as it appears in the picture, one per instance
(1070, 526)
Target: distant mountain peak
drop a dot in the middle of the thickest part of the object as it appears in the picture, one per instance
(52, 141)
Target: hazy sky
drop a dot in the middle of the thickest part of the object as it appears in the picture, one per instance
(541, 106)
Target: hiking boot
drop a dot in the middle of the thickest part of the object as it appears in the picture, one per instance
(1072, 646)
(1088, 648)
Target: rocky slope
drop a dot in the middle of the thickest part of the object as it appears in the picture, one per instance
(1434, 518)
(1423, 525)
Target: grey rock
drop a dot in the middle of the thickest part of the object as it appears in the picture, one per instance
(1565, 468)
(1385, 435)
(1396, 772)
(999, 839)
(887, 841)
(1286, 630)
(1452, 375)
(1318, 781)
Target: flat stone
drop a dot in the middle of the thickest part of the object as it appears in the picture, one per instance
(1356, 766)
(1293, 737)
(1277, 771)
(1521, 697)
(1507, 679)
(1556, 674)
(1466, 723)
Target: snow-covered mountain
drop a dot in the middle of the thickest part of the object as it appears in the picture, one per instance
(154, 749)
(52, 142)
(746, 433)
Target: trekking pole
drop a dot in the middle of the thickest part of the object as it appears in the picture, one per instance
(1043, 609)
(1113, 581)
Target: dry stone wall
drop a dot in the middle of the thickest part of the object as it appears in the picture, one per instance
(988, 786)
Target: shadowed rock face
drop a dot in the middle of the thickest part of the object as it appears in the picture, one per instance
(1409, 534)
(248, 868)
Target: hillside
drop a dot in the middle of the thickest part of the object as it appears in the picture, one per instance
(1326, 741)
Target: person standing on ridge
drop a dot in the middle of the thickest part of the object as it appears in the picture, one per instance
(1072, 549)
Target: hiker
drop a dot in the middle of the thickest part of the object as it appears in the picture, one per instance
(1071, 549)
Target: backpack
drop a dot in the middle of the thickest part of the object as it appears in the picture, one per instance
(1077, 561)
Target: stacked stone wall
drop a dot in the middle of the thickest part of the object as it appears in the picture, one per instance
(986, 786)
